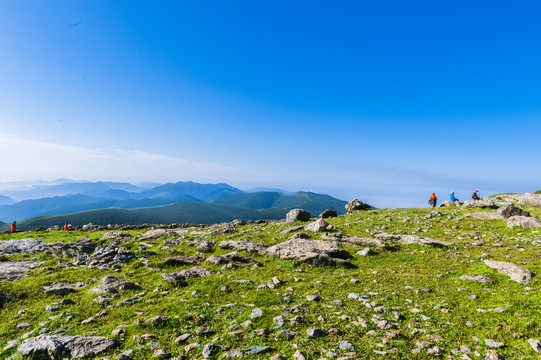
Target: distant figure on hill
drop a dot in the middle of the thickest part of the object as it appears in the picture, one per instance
(14, 226)
(433, 200)
(67, 227)
(452, 196)
(475, 195)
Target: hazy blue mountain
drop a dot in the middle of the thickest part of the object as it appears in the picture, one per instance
(71, 203)
(184, 212)
(204, 192)
(71, 188)
(315, 203)
(264, 189)
(6, 200)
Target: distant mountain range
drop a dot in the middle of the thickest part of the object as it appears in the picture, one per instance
(80, 203)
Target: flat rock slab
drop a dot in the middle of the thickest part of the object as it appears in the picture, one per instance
(15, 270)
(530, 199)
(55, 347)
(63, 288)
(183, 260)
(318, 225)
(516, 273)
(478, 278)
(485, 215)
(181, 276)
(354, 241)
(229, 258)
(112, 285)
(158, 233)
(77, 248)
(313, 252)
(524, 222)
(117, 235)
(22, 246)
(248, 246)
(408, 239)
(510, 210)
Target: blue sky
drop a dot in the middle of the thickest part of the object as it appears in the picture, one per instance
(385, 101)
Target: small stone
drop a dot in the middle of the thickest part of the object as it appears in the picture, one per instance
(346, 345)
(257, 312)
(314, 332)
(313, 297)
(182, 338)
(536, 345)
(257, 349)
(494, 344)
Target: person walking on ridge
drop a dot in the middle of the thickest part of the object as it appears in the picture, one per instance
(475, 195)
(433, 200)
(67, 227)
(452, 196)
(14, 226)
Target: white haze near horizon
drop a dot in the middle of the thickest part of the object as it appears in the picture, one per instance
(29, 160)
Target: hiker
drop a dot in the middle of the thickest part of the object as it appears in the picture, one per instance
(452, 196)
(433, 200)
(67, 227)
(14, 226)
(475, 195)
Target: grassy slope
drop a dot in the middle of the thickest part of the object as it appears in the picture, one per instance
(387, 276)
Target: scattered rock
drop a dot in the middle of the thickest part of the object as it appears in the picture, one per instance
(494, 344)
(297, 215)
(515, 272)
(22, 246)
(328, 214)
(484, 215)
(81, 247)
(530, 199)
(15, 270)
(158, 233)
(117, 235)
(315, 332)
(364, 252)
(478, 278)
(206, 245)
(318, 225)
(356, 205)
(524, 222)
(313, 252)
(232, 257)
(54, 347)
(248, 246)
(483, 203)
(183, 260)
(509, 210)
(62, 288)
(535, 344)
(408, 239)
(112, 285)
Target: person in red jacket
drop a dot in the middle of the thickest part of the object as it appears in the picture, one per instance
(14, 226)
(67, 227)
(433, 200)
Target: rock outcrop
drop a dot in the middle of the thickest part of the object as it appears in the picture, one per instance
(318, 225)
(22, 246)
(312, 252)
(16, 270)
(530, 199)
(524, 222)
(483, 203)
(297, 215)
(356, 205)
(485, 215)
(112, 285)
(328, 214)
(78, 248)
(60, 346)
(509, 210)
(408, 239)
(516, 273)
(62, 288)
(248, 246)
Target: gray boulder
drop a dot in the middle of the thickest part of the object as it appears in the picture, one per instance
(318, 225)
(485, 215)
(328, 214)
(116, 235)
(57, 347)
(183, 260)
(356, 205)
(62, 288)
(206, 245)
(516, 273)
(313, 252)
(158, 233)
(78, 248)
(22, 246)
(232, 257)
(408, 239)
(297, 215)
(524, 222)
(181, 276)
(508, 211)
(451, 203)
(112, 285)
(354, 241)
(478, 278)
(248, 246)
(530, 199)
(483, 203)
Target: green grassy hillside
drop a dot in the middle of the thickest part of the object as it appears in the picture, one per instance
(184, 212)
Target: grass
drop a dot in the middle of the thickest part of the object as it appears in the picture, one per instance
(409, 277)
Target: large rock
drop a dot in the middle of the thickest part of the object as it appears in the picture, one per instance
(516, 273)
(318, 225)
(22, 246)
(328, 214)
(113, 284)
(354, 241)
(297, 215)
(408, 239)
(478, 278)
(248, 246)
(313, 252)
(78, 248)
(57, 347)
(356, 205)
(530, 199)
(524, 222)
(183, 260)
(116, 235)
(485, 215)
(451, 203)
(62, 288)
(233, 258)
(508, 211)
(181, 276)
(15, 270)
(158, 233)
(483, 203)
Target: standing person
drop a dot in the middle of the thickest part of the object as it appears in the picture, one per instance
(14, 226)
(475, 195)
(67, 227)
(433, 200)
(452, 196)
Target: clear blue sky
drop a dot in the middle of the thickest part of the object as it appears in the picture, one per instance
(386, 101)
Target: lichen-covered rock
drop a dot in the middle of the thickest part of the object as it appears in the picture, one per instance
(485, 215)
(232, 257)
(158, 233)
(530, 199)
(248, 246)
(62, 288)
(22, 246)
(483, 203)
(524, 222)
(78, 248)
(354, 241)
(478, 278)
(56, 347)
(297, 215)
(117, 235)
(408, 239)
(313, 252)
(451, 203)
(16, 270)
(508, 211)
(516, 273)
(113, 284)
(356, 205)
(318, 225)
(328, 214)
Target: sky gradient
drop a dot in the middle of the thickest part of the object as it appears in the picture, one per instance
(384, 101)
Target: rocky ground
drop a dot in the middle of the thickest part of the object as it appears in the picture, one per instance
(457, 282)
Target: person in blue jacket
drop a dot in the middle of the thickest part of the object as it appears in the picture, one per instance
(452, 196)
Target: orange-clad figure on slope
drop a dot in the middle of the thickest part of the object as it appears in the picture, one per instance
(433, 200)
(67, 227)
(14, 226)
